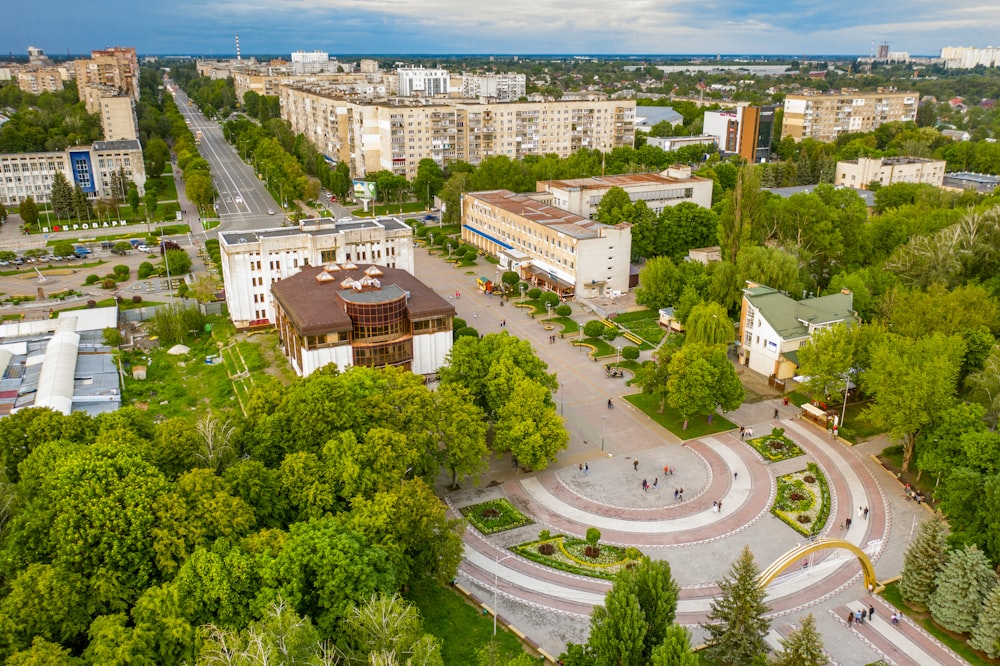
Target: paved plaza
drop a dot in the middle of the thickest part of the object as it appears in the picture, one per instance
(552, 607)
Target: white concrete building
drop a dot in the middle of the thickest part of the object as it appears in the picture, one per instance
(774, 326)
(307, 63)
(967, 57)
(675, 185)
(25, 175)
(420, 82)
(498, 87)
(548, 246)
(254, 260)
(861, 172)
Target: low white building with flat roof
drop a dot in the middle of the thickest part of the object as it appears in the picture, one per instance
(675, 185)
(253, 260)
(886, 171)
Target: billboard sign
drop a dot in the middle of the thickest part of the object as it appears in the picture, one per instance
(364, 189)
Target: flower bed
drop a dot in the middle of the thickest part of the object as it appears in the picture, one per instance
(570, 554)
(776, 446)
(803, 500)
(494, 516)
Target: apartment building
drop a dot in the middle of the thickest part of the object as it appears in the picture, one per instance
(268, 81)
(824, 117)
(308, 63)
(37, 80)
(888, 171)
(254, 260)
(116, 109)
(369, 316)
(421, 82)
(967, 57)
(746, 131)
(396, 133)
(675, 185)
(505, 87)
(25, 175)
(116, 67)
(547, 246)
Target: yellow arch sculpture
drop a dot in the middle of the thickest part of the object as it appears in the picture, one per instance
(769, 574)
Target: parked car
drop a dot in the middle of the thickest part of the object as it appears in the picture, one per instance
(270, 211)
(19, 261)
(143, 248)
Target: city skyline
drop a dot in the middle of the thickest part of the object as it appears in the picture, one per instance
(538, 27)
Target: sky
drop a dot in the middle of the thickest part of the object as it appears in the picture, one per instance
(208, 27)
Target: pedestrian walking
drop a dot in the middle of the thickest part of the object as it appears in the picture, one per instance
(611, 405)
(581, 468)
(736, 475)
(715, 507)
(775, 413)
(680, 495)
(743, 430)
(866, 513)
(858, 617)
(895, 617)
(720, 506)
(675, 494)
(861, 511)
(645, 485)
(656, 483)
(586, 469)
(635, 463)
(847, 522)
(850, 619)
(871, 612)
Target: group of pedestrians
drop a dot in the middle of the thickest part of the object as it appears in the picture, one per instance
(746, 431)
(858, 617)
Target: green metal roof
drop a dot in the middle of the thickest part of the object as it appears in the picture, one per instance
(791, 319)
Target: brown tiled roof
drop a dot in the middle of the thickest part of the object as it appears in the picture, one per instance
(315, 307)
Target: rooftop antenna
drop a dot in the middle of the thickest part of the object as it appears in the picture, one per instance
(237, 47)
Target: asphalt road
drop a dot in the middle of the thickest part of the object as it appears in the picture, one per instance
(243, 201)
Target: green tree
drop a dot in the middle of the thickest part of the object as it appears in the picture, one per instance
(828, 360)
(63, 249)
(28, 210)
(964, 583)
(61, 196)
(675, 650)
(200, 191)
(133, 198)
(461, 429)
(683, 227)
(81, 204)
(709, 324)
(802, 647)
(178, 262)
(427, 543)
(283, 636)
(986, 634)
(653, 375)
(913, 382)
(156, 155)
(150, 200)
(44, 601)
(923, 561)
(528, 425)
(736, 624)
(3, 213)
(43, 653)
(387, 627)
(428, 181)
(741, 216)
(656, 289)
(614, 207)
(700, 378)
(323, 569)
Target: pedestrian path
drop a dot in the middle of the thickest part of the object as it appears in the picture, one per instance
(902, 644)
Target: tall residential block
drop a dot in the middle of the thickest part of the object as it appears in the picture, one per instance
(116, 67)
(824, 117)
(395, 134)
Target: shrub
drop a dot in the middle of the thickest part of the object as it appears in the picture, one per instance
(594, 328)
(91, 279)
(91, 304)
(145, 270)
(534, 293)
(610, 333)
(121, 272)
(137, 299)
(630, 353)
(546, 548)
(564, 310)
(468, 331)
(108, 283)
(549, 298)
(592, 552)
(544, 535)
(593, 535)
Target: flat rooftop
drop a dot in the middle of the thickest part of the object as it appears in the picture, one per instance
(314, 227)
(563, 221)
(623, 181)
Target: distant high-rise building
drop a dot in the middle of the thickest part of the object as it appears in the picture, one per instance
(116, 67)
(305, 63)
(967, 57)
(501, 87)
(826, 116)
(883, 51)
(420, 82)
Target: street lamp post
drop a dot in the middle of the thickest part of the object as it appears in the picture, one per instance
(618, 354)
(847, 389)
(521, 287)
(496, 587)
(548, 310)
(604, 424)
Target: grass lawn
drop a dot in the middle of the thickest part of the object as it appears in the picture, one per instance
(165, 186)
(856, 425)
(672, 420)
(601, 347)
(923, 619)
(644, 323)
(461, 627)
(568, 325)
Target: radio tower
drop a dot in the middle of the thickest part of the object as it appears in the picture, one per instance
(237, 47)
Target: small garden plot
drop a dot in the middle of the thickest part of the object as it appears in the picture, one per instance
(775, 446)
(579, 556)
(494, 516)
(803, 500)
(644, 323)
